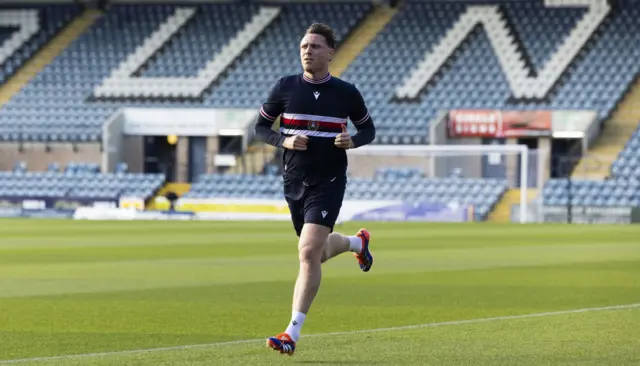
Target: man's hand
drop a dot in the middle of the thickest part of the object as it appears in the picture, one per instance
(296, 142)
(343, 140)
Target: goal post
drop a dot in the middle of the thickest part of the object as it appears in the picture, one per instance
(509, 164)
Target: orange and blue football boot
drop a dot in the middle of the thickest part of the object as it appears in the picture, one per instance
(365, 259)
(282, 343)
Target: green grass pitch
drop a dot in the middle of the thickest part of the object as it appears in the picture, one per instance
(104, 291)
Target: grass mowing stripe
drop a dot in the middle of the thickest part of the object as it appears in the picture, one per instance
(375, 330)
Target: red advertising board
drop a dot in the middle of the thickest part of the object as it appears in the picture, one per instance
(498, 124)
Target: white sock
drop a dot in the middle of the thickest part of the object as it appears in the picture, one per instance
(295, 325)
(355, 244)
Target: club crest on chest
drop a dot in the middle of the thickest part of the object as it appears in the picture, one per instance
(313, 126)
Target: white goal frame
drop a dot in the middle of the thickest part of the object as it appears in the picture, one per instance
(457, 150)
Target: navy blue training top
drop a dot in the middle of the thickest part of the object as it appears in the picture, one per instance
(318, 109)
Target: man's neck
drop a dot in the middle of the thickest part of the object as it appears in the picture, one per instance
(317, 75)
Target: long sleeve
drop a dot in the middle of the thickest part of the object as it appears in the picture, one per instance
(362, 120)
(269, 112)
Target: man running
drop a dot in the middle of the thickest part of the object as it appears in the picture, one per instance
(314, 107)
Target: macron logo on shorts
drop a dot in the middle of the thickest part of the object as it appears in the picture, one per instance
(324, 214)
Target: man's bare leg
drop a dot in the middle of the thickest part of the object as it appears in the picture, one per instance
(337, 244)
(317, 245)
(358, 244)
(312, 240)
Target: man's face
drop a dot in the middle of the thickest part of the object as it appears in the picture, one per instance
(315, 54)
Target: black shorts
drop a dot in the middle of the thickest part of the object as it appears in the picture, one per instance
(318, 202)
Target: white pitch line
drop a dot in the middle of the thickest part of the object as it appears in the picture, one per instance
(374, 330)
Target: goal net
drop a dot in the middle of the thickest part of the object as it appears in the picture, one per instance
(477, 177)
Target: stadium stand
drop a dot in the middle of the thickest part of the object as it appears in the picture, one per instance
(474, 78)
(77, 181)
(608, 193)
(621, 189)
(219, 56)
(627, 165)
(27, 29)
(388, 184)
(58, 106)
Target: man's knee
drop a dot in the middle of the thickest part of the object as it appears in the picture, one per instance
(312, 242)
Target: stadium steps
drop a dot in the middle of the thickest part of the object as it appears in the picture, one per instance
(502, 211)
(178, 188)
(361, 37)
(47, 54)
(613, 138)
